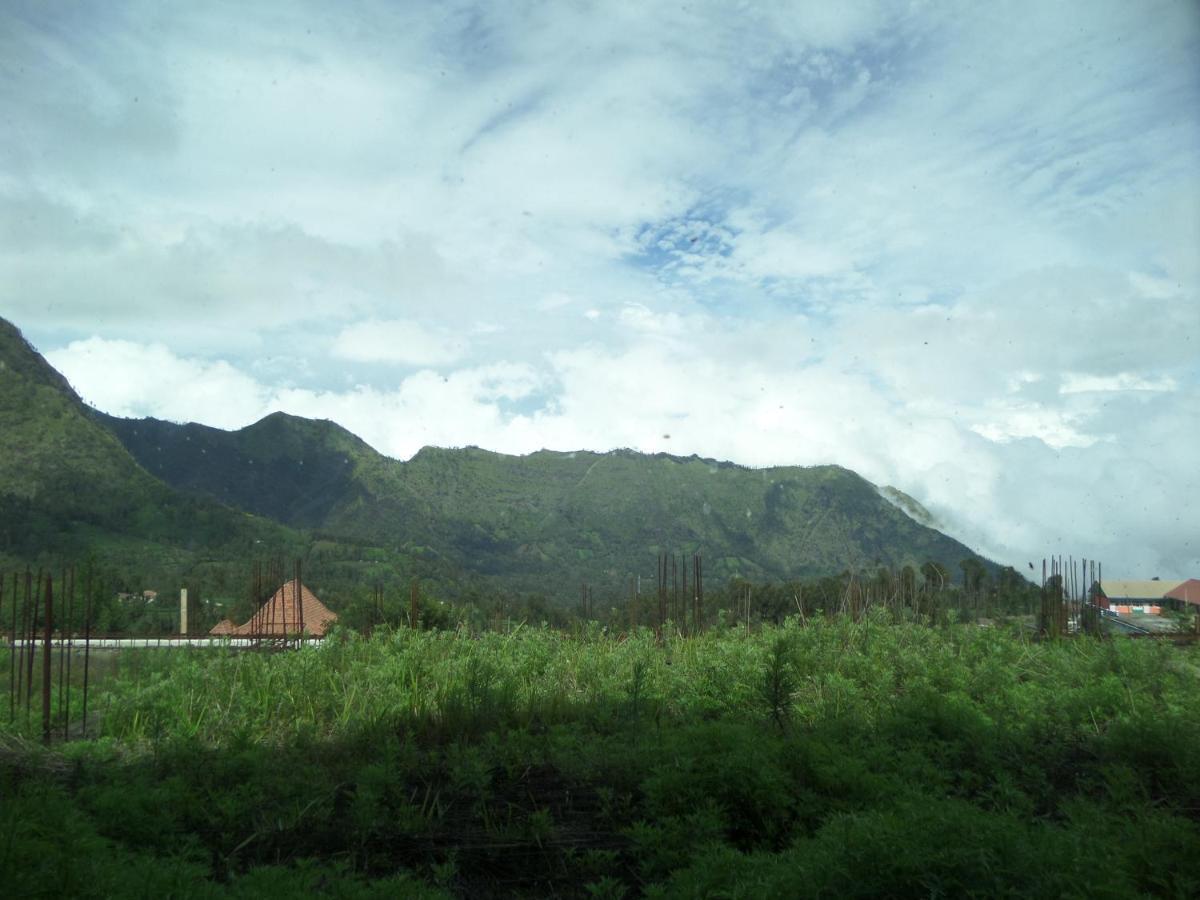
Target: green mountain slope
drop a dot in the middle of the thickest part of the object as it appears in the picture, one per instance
(68, 486)
(73, 480)
(548, 520)
(293, 470)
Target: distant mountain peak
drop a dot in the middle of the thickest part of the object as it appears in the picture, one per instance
(20, 356)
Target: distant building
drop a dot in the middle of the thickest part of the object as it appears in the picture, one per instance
(148, 596)
(291, 610)
(1185, 595)
(1149, 596)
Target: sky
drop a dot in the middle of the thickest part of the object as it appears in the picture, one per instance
(954, 247)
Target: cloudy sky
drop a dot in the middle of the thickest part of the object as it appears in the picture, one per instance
(952, 246)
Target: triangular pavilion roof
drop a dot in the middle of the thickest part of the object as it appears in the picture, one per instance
(288, 611)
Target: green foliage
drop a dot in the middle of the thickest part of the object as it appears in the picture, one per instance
(840, 758)
(495, 534)
(69, 488)
(521, 522)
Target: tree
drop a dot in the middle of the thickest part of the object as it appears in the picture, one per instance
(935, 575)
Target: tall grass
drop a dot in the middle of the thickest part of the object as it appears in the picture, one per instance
(450, 682)
(832, 758)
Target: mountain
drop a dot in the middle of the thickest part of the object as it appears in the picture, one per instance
(69, 487)
(296, 471)
(159, 496)
(546, 521)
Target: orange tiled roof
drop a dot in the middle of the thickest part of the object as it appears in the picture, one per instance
(282, 615)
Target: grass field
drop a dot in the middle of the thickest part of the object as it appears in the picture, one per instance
(837, 759)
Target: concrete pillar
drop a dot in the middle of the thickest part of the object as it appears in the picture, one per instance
(183, 625)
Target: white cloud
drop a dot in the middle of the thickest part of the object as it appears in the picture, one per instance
(137, 380)
(398, 342)
(778, 255)
(954, 249)
(1122, 381)
(1055, 428)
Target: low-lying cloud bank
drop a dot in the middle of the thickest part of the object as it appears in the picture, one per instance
(1050, 460)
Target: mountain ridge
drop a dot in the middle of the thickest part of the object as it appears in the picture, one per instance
(599, 514)
(541, 522)
(69, 486)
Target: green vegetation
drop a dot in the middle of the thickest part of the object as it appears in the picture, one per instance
(160, 505)
(868, 746)
(68, 488)
(838, 758)
(523, 523)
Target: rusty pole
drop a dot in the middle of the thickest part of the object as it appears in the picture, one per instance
(299, 600)
(662, 595)
(70, 592)
(31, 599)
(48, 625)
(62, 611)
(270, 614)
(87, 643)
(658, 580)
(683, 597)
(21, 633)
(12, 656)
(674, 592)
